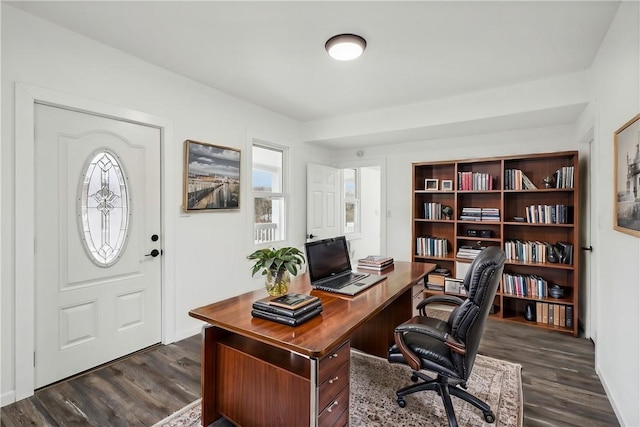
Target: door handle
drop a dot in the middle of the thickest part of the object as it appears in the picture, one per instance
(311, 236)
(154, 253)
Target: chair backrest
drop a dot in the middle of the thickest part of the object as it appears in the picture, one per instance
(468, 320)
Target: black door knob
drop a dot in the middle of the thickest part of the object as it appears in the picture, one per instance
(154, 253)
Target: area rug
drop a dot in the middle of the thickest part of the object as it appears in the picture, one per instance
(373, 401)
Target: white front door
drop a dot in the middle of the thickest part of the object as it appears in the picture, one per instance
(323, 202)
(97, 240)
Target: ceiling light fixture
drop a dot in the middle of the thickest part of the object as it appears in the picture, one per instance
(345, 47)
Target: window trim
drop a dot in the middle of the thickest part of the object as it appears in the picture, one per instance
(266, 143)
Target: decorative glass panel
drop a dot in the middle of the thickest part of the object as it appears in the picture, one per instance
(104, 209)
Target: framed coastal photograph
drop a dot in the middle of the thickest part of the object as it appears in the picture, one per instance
(447, 185)
(626, 143)
(431, 184)
(211, 177)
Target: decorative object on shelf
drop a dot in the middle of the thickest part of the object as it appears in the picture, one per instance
(556, 291)
(530, 312)
(277, 265)
(211, 177)
(626, 143)
(549, 181)
(431, 184)
(447, 211)
(447, 185)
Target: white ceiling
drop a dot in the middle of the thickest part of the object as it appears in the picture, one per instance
(272, 53)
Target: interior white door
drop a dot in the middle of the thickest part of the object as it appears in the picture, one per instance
(98, 274)
(323, 202)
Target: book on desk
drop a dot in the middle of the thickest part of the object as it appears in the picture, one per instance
(375, 262)
(289, 309)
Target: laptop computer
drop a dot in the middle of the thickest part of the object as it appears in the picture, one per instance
(330, 268)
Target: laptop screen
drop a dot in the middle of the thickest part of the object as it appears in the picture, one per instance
(327, 257)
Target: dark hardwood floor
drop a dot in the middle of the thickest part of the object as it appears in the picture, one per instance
(560, 385)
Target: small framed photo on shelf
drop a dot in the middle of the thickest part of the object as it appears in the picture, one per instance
(431, 184)
(447, 185)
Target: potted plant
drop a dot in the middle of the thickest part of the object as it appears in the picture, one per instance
(277, 265)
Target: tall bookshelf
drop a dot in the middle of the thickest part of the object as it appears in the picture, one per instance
(531, 221)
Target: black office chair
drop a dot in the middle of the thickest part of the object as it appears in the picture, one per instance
(448, 348)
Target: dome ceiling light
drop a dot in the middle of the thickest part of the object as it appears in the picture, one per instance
(345, 47)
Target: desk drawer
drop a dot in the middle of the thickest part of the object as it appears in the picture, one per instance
(332, 362)
(335, 409)
(330, 388)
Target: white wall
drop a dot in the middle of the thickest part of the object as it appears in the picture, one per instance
(616, 83)
(210, 248)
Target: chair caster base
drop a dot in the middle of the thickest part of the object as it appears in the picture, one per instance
(489, 417)
(401, 402)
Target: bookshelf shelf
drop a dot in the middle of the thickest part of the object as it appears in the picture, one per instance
(482, 186)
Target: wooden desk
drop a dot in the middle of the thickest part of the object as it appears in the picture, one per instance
(258, 372)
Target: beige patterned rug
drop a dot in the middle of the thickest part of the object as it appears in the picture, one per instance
(373, 402)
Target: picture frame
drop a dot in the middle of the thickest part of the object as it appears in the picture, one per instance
(626, 143)
(447, 185)
(431, 184)
(211, 177)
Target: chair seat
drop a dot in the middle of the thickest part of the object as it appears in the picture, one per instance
(434, 355)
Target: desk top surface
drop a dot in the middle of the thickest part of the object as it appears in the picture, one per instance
(341, 315)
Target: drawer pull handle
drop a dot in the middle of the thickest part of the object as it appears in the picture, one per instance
(333, 355)
(333, 380)
(332, 405)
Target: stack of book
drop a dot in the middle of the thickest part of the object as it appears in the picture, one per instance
(471, 214)
(289, 309)
(435, 280)
(375, 262)
(490, 214)
(469, 252)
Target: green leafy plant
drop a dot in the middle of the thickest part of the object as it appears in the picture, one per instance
(277, 260)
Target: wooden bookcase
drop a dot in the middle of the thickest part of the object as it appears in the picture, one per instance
(511, 203)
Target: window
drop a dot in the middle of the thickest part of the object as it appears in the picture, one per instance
(351, 201)
(269, 193)
(104, 209)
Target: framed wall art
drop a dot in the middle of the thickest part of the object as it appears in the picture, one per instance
(211, 177)
(626, 143)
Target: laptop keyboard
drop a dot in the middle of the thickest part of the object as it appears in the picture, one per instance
(342, 281)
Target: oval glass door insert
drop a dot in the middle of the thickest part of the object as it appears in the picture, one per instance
(104, 209)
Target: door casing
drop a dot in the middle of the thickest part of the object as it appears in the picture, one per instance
(26, 96)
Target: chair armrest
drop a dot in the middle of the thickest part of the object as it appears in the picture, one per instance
(442, 299)
(419, 328)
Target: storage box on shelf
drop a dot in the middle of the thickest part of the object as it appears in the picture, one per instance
(525, 204)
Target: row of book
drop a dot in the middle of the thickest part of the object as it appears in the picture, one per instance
(375, 262)
(480, 214)
(288, 309)
(475, 181)
(515, 179)
(549, 214)
(431, 246)
(524, 285)
(564, 177)
(526, 251)
(554, 314)
(433, 210)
